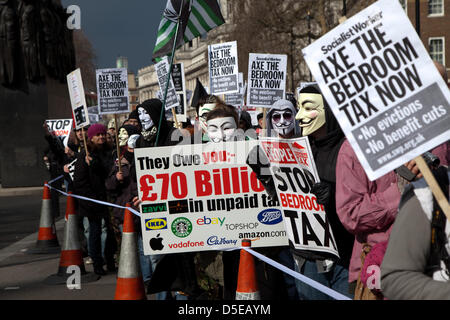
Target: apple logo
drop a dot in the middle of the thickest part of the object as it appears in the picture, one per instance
(156, 243)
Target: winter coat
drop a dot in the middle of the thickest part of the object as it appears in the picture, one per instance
(89, 181)
(123, 192)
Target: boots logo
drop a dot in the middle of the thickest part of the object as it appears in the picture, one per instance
(181, 227)
(156, 224)
(270, 216)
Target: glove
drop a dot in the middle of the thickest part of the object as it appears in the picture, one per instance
(322, 191)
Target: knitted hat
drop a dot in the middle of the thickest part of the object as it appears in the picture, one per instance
(96, 129)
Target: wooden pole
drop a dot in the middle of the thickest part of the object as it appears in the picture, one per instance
(434, 186)
(264, 133)
(175, 119)
(84, 141)
(117, 142)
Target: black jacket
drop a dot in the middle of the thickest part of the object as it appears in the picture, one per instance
(89, 181)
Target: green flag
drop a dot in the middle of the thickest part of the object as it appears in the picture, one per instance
(197, 18)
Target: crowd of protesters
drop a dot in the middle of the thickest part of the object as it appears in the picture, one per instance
(382, 228)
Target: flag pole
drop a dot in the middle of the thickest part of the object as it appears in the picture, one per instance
(169, 75)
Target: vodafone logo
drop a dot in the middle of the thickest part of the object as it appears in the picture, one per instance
(188, 244)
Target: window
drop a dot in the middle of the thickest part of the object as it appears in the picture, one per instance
(437, 49)
(435, 7)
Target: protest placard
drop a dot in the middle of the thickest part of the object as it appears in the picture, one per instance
(237, 99)
(112, 91)
(266, 79)
(77, 99)
(162, 72)
(71, 168)
(204, 197)
(93, 114)
(382, 86)
(223, 68)
(60, 128)
(294, 173)
(180, 88)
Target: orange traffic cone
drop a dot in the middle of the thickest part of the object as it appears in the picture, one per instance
(47, 241)
(130, 284)
(71, 254)
(247, 288)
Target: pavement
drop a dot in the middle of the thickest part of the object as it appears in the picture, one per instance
(22, 274)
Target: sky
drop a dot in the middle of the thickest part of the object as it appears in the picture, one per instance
(121, 28)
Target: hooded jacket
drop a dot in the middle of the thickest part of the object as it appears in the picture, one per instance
(148, 138)
(281, 104)
(325, 152)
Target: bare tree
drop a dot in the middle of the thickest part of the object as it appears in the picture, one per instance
(286, 27)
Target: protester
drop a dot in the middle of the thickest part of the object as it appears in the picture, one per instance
(122, 186)
(367, 208)
(149, 117)
(133, 119)
(280, 123)
(54, 158)
(111, 134)
(91, 171)
(206, 104)
(326, 137)
(416, 264)
(280, 120)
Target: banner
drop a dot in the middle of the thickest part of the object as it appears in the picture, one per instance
(93, 113)
(162, 72)
(204, 197)
(77, 99)
(237, 99)
(180, 88)
(112, 90)
(266, 79)
(294, 173)
(60, 128)
(382, 86)
(223, 68)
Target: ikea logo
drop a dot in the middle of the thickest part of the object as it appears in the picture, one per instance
(156, 224)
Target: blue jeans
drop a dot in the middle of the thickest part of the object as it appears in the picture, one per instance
(336, 279)
(102, 237)
(286, 259)
(146, 263)
(95, 241)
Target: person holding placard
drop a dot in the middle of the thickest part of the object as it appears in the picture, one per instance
(149, 117)
(367, 208)
(89, 181)
(326, 137)
(416, 264)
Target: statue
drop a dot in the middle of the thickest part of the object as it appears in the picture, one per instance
(29, 32)
(8, 43)
(50, 48)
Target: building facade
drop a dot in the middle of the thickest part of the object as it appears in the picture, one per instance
(194, 56)
(434, 21)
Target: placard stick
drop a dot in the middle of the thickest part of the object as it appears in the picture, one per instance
(84, 141)
(175, 118)
(434, 186)
(264, 122)
(117, 142)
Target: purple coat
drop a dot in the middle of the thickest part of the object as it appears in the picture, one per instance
(367, 208)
